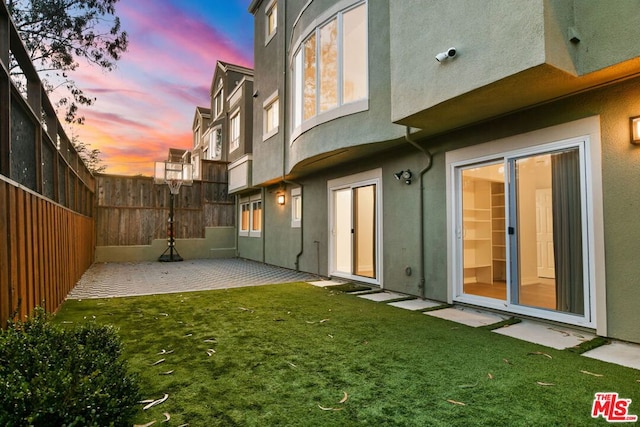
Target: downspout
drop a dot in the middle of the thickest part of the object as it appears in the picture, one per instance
(424, 170)
(263, 229)
(237, 220)
(285, 138)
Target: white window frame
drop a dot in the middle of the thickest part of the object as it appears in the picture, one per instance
(272, 7)
(372, 177)
(218, 100)
(195, 161)
(571, 134)
(250, 202)
(213, 135)
(296, 214)
(234, 130)
(196, 136)
(272, 104)
(299, 124)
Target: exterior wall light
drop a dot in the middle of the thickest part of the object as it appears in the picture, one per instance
(634, 125)
(404, 175)
(280, 199)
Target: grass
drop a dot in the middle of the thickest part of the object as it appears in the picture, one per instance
(288, 355)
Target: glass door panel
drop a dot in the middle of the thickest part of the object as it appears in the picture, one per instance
(342, 229)
(483, 231)
(547, 247)
(364, 203)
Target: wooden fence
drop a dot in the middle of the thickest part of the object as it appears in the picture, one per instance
(46, 192)
(44, 251)
(132, 210)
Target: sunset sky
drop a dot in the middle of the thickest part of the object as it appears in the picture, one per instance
(147, 104)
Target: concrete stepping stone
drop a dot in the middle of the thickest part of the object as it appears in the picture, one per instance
(326, 283)
(548, 335)
(382, 296)
(467, 316)
(620, 353)
(415, 304)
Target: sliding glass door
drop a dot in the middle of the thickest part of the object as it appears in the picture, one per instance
(520, 231)
(355, 231)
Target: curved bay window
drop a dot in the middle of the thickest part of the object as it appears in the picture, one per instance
(330, 69)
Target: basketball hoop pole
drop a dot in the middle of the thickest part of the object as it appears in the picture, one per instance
(173, 254)
(174, 174)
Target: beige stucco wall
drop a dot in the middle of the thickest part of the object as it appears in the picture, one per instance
(512, 54)
(219, 242)
(620, 196)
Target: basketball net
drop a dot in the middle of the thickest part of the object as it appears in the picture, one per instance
(174, 185)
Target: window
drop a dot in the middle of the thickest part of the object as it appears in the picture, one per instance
(196, 136)
(218, 100)
(251, 216)
(215, 144)
(245, 209)
(195, 160)
(256, 216)
(330, 67)
(309, 88)
(296, 208)
(234, 132)
(272, 20)
(271, 116)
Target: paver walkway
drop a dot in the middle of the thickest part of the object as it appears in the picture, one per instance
(104, 280)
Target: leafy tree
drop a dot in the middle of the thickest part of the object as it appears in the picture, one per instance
(60, 33)
(90, 156)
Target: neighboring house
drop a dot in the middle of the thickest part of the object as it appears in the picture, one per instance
(202, 143)
(179, 155)
(224, 132)
(502, 176)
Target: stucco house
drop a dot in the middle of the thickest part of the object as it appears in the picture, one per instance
(467, 152)
(223, 131)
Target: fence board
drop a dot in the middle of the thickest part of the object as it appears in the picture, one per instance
(44, 250)
(5, 254)
(134, 210)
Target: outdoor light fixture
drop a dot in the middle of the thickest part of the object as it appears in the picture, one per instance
(404, 175)
(280, 199)
(634, 125)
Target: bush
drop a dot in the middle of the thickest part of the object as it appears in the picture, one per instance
(51, 376)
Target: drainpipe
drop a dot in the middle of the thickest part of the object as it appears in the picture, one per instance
(236, 220)
(424, 170)
(263, 229)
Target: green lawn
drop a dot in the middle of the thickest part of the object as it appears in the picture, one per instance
(297, 355)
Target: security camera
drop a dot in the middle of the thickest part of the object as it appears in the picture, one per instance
(449, 53)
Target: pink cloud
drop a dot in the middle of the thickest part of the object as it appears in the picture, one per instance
(146, 105)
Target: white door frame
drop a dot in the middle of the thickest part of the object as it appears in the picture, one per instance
(357, 180)
(555, 137)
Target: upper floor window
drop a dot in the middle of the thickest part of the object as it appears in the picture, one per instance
(271, 116)
(196, 136)
(218, 101)
(234, 131)
(215, 144)
(330, 67)
(271, 15)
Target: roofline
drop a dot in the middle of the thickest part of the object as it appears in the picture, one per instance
(226, 66)
(253, 6)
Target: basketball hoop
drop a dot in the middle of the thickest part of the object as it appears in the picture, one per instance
(174, 174)
(174, 185)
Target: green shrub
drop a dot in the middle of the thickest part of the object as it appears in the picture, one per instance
(51, 376)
